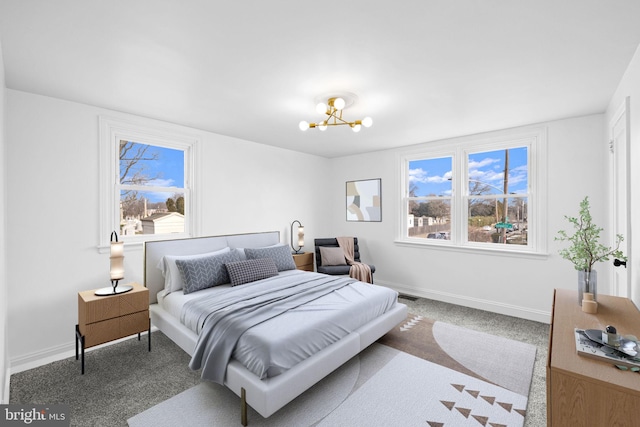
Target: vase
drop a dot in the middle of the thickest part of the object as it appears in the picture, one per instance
(587, 282)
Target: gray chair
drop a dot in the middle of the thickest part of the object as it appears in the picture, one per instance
(336, 269)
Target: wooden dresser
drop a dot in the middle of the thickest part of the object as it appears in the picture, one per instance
(106, 318)
(582, 391)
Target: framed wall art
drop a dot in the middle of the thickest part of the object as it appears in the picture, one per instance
(364, 200)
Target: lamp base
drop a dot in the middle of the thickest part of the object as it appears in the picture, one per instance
(111, 290)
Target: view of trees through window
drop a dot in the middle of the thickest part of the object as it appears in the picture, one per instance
(494, 200)
(152, 193)
(430, 198)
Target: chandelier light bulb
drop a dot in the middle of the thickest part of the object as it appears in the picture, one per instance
(321, 108)
(332, 111)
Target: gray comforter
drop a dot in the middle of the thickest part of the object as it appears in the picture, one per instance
(220, 320)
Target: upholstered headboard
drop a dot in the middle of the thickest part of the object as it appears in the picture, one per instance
(155, 250)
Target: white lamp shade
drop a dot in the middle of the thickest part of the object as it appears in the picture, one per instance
(300, 236)
(339, 103)
(117, 249)
(304, 125)
(322, 126)
(367, 122)
(356, 128)
(117, 268)
(117, 261)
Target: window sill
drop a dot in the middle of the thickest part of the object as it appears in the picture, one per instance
(128, 247)
(490, 251)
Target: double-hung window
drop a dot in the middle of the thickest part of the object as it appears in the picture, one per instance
(148, 185)
(483, 193)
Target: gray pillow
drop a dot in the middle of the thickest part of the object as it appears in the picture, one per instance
(332, 256)
(241, 272)
(281, 255)
(172, 278)
(205, 272)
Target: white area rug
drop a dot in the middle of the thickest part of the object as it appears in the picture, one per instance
(380, 387)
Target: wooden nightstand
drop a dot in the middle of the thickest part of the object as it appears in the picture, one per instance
(304, 261)
(106, 318)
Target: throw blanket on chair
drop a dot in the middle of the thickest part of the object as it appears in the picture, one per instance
(358, 270)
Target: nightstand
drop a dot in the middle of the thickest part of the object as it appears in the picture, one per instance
(304, 261)
(106, 318)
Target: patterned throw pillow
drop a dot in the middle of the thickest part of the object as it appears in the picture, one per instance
(172, 278)
(205, 272)
(281, 255)
(241, 272)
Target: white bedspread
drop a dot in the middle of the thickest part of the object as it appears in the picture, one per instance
(276, 345)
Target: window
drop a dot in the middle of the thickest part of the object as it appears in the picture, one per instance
(148, 189)
(481, 194)
(496, 196)
(151, 189)
(430, 198)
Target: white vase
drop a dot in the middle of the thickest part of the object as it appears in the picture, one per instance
(587, 282)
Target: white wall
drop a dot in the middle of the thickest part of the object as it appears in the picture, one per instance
(507, 284)
(52, 159)
(4, 352)
(630, 87)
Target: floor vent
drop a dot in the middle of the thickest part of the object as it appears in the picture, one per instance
(407, 297)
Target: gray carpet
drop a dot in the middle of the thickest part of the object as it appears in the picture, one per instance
(124, 379)
(120, 381)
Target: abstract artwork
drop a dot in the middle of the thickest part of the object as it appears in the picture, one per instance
(363, 200)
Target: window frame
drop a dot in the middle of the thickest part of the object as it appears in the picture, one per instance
(535, 139)
(150, 132)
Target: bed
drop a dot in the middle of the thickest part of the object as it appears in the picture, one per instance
(266, 385)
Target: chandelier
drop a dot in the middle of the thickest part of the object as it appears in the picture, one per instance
(333, 110)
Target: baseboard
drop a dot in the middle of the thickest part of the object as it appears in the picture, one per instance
(481, 304)
(42, 357)
(53, 354)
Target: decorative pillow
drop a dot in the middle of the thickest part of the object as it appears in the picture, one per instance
(205, 272)
(332, 256)
(251, 270)
(280, 253)
(172, 277)
(241, 253)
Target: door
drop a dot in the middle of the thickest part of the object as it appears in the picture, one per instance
(619, 145)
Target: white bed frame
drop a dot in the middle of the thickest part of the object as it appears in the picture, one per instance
(268, 395)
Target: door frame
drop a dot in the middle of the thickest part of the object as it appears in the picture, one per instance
(618, 204)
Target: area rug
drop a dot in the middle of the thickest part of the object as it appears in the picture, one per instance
(422, 373)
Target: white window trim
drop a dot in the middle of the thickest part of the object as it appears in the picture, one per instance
(535, 138)
(145, 131)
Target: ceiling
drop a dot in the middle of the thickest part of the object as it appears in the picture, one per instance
(424, 70)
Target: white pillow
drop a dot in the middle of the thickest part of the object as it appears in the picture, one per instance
(172, 278)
